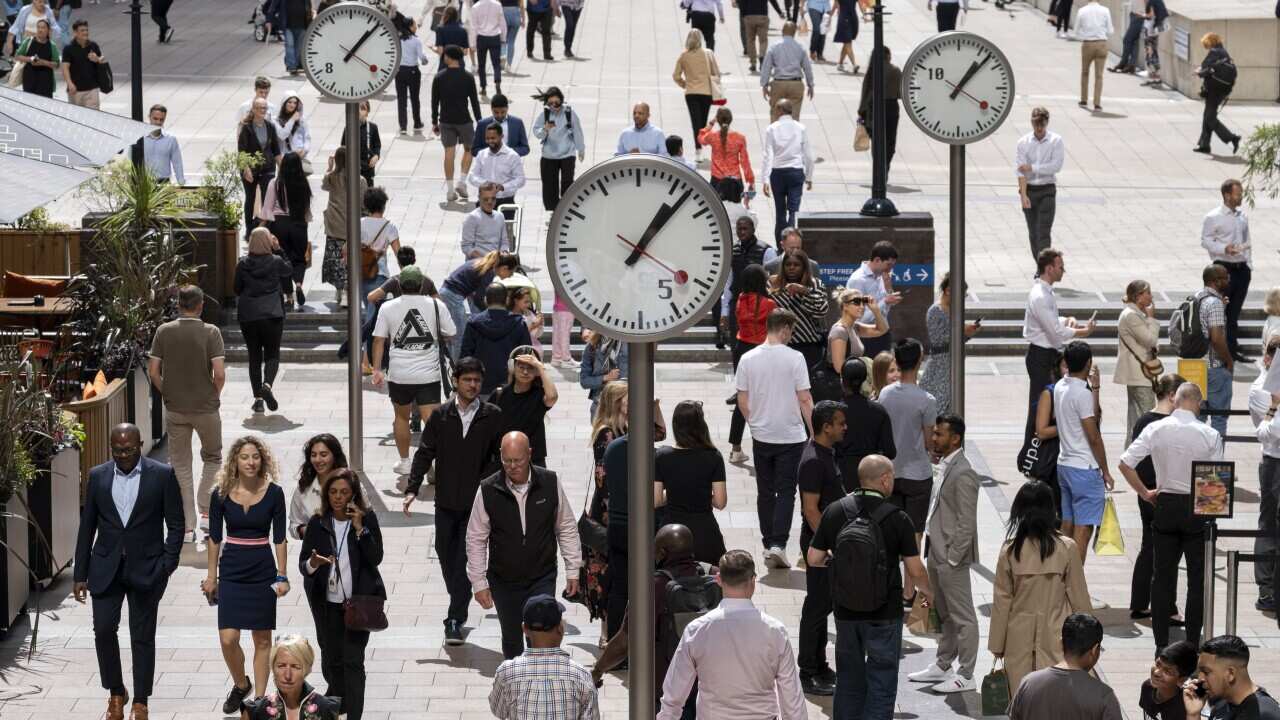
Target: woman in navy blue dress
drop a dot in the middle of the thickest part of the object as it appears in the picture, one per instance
(246, 578)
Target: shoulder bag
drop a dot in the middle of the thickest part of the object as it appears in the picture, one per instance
(106, 80)
(369, 257)
(446, 360)
(362, 613)
(593, 533)
(824, 381)
(717, 90)
(1152, 368)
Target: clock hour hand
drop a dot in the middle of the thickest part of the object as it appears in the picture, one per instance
(973, 69)
(352, 52)
(659, 220)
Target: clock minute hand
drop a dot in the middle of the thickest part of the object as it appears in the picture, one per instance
(973, 69)
(659, 220)
(352, 52)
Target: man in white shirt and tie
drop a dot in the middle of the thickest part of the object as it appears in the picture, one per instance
(1093, 27)
(1173, 444)
(1225, 234)
(498, 164)
(740, 657)
(788, 166)
(1040, 155)
(1045, 331)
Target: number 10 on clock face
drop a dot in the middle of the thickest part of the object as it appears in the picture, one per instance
(639, 247)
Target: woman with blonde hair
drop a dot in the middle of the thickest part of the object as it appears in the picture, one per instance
(291, 661)
(697, 72)
(1139, 335)
(844, 341)
(609, 424)
(884, 372)
(246, 580)
(1271, 304)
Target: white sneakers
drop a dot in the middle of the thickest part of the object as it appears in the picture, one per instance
(946, 681)
(569, 364)
(957, 684)
(403, 467)
(737, 456)
(776, 557)
(462, 190)
(933, 674)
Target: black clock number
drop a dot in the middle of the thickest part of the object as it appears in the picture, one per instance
(664, 289)
(328, 67)
(936, 74)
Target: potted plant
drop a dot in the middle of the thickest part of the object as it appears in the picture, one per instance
(53, 498)
(1262, 163)
(223, 197)
(36, 245)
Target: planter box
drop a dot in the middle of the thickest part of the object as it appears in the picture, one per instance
(14, 580)
(54, 499)
(98, 416)
(145, 409)
(55, 254)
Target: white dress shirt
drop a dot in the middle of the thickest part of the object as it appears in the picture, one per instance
(1041, 324)
(1045, 156)
(1093, 22)
(504, 167)
(412, 53)
(478, 534)
(468, 413)
(873, 286)
(487, 19)
(124, 490)
(1172, 444)
(743, 664)
(786, 145)
(1267, 430)
(715, 6)
(1224, 226)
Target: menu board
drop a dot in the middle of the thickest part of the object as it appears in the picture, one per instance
(1213, 489)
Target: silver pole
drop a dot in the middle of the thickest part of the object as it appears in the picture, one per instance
(640, 474)
(1233, 576)
(355, 420)
(957, 279)
(1209, 556)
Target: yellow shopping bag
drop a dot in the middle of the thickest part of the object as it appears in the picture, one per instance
(1109, 540)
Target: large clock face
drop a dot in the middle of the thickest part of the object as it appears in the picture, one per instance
(351, 52)
(957, 87)
(639, 247)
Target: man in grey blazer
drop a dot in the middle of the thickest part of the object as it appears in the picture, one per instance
(951, 546)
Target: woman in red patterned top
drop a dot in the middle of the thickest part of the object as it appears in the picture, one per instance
(754, 306)
(730, 164)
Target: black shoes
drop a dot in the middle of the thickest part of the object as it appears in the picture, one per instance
(1239, 356)
(1139, 614)
(452, 632)
(415, 424)
(569, 54)
(1235, 145)
(302, 298)
(258, 409)
(235, 698)
(823, 683)
(1200, 149)
(270, 398)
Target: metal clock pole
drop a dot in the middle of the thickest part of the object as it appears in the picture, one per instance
(879, 204)
(355, 408)
(957, 279)
(640, 476)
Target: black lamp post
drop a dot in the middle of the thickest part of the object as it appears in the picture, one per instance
(879, 204)
(135, 71)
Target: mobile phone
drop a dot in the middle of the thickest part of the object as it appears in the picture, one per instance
(977, 321)
(1094, 316)
(903, 293)
(1200, 690)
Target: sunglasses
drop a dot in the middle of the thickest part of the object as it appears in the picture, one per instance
(856, 301)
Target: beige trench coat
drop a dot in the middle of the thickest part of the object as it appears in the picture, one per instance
(1032, 598)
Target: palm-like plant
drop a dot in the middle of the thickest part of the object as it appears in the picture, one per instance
(1262, 163)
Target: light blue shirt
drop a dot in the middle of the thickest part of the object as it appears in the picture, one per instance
(786, 60)
(562, 142)
(819, 5)
(163, 157)
(124, 490)
(649, 139)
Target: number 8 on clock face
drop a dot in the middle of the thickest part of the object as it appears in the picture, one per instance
(639, 248)
(958, 87)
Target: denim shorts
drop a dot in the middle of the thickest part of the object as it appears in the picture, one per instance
(1083, 495)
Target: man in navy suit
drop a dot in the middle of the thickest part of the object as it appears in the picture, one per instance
(513, 134)
(130, 537)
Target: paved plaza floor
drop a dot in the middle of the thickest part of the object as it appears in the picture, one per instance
(1130, 203)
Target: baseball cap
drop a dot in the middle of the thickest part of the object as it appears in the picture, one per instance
(543, 612)
(411, 276)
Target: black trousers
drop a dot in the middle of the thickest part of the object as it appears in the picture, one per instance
(1044, 205)
(1177, 534)
(262, 340)
(891, 115)
(776, 465)
(409, 88)
(540, 23)
(1040, 362)
(812, 654)
(160, 13)
(509, 599)
(616, 607)
(292, 235)
(1209, 122)
(1063, 11)
(489, 47)
(251, 192)
(1240, 276)
(557, 176)
(738, 423)
(144, 604)
(1140, 584)
(571, 16)
(451, 548)
(342, 658)
(876, 345)
(947, 14)
(705, 22)
(699, 109)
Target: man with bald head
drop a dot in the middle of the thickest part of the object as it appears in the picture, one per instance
(865, 591)
(643, 137)
(519, 516)
(132, 506)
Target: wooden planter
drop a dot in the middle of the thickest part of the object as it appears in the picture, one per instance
(54, 499)
(98, 416)
(145, 409)
(55, 254)
(14, 580)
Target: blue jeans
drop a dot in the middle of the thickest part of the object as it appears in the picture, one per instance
(776, 466)
(293, 48)
(1132, 35)
(1219, 397)
(513, 17)
(457, 306)
(867, 656)
(787, 185)
(64, 19)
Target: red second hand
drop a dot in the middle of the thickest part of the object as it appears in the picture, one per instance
(372, 68)
(982, 104)
(681, 276)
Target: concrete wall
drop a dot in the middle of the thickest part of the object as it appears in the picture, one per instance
(1249, 29)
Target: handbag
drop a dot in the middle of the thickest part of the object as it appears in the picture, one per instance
(923, 621)
(362, 613)
(1151, 368)
(592, 532)
(1038, 458)
(446, 360)
(995, 690)
(306, 167)
(824, 381)
(15, 76)
(106, 80)
(1109, 540)
(369, 257)
(861, 138)
(717, 90)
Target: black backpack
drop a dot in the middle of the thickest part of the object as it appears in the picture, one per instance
(688, 598)
(1224, 72)
(860, 565)
(1186, 333)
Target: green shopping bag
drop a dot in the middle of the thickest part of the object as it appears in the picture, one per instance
(995, 690)
(1109, 540)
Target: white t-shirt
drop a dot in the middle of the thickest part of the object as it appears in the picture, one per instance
(771, 375)
(1072, 403)
(409, 323)
(369, 229)
(339, 586)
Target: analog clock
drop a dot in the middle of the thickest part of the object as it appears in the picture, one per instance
(639, 247)
(957, 87)
(351, 52)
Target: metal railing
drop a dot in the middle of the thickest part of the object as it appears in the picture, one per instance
(1234, 558)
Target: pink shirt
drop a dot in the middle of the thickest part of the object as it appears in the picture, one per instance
(478, 534)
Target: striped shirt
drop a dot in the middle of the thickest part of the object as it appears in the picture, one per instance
(810, 309)
(543, 684)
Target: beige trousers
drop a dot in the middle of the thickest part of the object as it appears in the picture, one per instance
(757, 27)
(84, 98)
(1092, 52)
(792, 90)
(180, 426)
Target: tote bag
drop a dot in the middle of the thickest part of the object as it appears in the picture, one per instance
(717, 90)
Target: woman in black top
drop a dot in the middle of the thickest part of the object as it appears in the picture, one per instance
(286, 209)
(262, 280)
(796, 289)
(1215, 90)
(690, 481)
(525, 400)
(1161, 695)
(257, 135)
(41, 57)
(1140, 585)
(370, 144)
(870, 430)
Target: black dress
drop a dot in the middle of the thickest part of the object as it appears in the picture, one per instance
(247, 565)
(39, 80)
(687, 476)
(847, 22)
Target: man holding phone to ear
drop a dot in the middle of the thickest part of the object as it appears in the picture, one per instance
(875, 279)
(1222, 681)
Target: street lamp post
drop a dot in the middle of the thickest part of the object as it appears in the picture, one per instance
(879, 204)
(135, 71)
